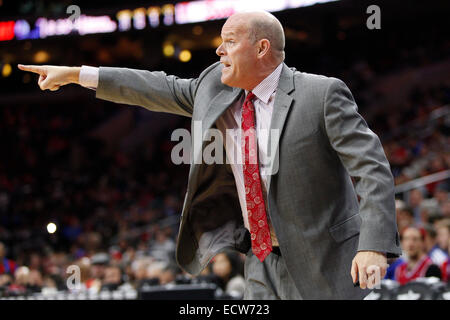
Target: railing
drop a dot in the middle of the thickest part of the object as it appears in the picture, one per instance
(422, 181)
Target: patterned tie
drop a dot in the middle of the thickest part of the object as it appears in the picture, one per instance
(257, 217)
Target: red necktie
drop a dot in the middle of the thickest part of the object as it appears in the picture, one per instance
(256, 210)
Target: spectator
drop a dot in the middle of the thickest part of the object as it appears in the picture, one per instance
(154, 272)
(390, 272)
(437, 255)
(35, 281)
(443, 234)
(169, 273)
(405, 218)
(445, 209)
(415, 201)
(19, 286)
(99, 262)
(140, 273)
(6, 265)
(441, 192)
(112, 279)
(445, 268)
(5, 281)
(227, 266)
(163, 248)
(85, 271)
(417, 264)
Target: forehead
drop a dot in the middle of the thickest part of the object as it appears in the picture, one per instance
(235, 26)
(411, 233)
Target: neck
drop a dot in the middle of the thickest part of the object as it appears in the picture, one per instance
(412, 260)
(262, 71)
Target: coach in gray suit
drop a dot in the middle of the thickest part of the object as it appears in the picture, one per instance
(323, 240)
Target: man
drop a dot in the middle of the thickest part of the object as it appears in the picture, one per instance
(417, 264)
(405, 218)
(415, 203)
(445, 267)
(443, 234)
(301, 227)
(437, 255)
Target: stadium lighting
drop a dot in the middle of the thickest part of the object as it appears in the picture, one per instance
(185, 56)
(51, 227)
(141, 18)
(168, 50)
(41, 56)
(197, 30)
(6, 70)
(217, 41)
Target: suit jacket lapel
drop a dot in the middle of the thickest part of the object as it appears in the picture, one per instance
(218, 105)
(282, 104)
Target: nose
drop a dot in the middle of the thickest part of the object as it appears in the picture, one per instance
(219, 50)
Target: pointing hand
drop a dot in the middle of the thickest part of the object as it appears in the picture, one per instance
(53, 77)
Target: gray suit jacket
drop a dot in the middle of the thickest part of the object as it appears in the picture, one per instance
(312, 203)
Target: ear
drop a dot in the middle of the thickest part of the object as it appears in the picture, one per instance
(263, 48)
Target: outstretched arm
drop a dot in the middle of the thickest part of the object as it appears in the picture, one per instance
(155, 91)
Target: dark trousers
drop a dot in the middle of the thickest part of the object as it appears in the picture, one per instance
(268, 280)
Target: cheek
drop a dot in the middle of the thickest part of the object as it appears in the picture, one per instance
(239, 59)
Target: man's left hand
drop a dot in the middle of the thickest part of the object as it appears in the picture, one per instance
(369, 267)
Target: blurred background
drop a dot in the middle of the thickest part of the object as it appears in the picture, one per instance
(88, 183)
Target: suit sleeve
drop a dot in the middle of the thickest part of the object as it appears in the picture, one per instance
(155, 91)
(362, 154)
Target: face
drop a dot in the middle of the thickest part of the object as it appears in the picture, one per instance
(445, 209)
(415, 198)
(442, 237)
(404, 219)
(412, 242)
(112, 275)
(221, 266)
(166, 277)
(237, 54)
(98, 271)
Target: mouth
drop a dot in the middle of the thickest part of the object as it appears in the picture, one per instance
(226, 65)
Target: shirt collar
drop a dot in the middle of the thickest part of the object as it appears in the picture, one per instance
(263, 91)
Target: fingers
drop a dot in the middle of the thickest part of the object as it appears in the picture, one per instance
(384, 270)
(41, 78)
(374, 278)
(50, 77)
(32, 68)
(362, 275)
(354, 271)
(44, 83)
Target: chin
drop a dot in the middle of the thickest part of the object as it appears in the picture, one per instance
(225, 80)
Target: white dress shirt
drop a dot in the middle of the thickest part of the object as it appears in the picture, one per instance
(230, 124)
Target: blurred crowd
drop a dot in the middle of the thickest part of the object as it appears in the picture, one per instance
(421, 149)
(116, 214)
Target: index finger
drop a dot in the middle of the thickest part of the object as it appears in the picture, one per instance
(32, 68)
